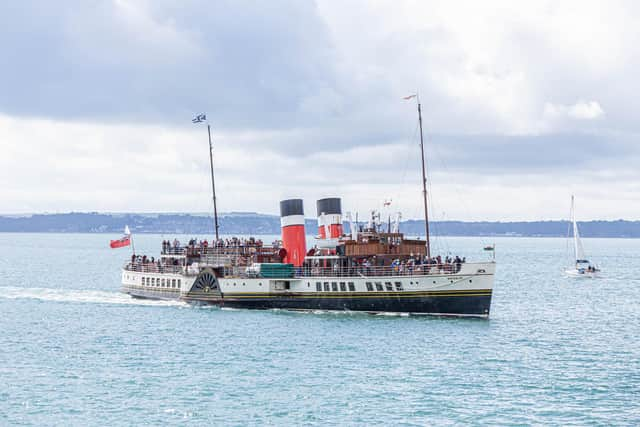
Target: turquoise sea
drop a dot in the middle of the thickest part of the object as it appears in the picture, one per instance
(556, 351)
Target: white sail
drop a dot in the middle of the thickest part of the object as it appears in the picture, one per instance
(577, 244)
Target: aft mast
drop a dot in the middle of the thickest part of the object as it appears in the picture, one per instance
(424, 181)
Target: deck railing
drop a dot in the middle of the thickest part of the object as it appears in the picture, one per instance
(244, 250)
(378, 271)
(153, 268)
(301, 272)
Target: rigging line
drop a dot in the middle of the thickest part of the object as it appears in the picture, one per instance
(193, 223)
(456, 187)
(412, 140)
(441, 241)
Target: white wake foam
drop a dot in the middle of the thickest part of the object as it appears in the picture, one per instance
(79, 295)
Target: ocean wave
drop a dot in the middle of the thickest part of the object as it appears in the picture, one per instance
(80, 295)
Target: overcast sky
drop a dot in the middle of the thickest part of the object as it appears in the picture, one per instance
(523, 106)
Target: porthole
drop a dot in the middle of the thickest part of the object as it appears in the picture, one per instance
(470, 280)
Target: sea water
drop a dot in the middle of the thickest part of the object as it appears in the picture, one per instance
(556, 350)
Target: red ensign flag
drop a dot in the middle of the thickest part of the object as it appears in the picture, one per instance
(120, 243)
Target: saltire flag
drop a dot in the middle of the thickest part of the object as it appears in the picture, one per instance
(199, 118)
(409, 97)
(123, 241)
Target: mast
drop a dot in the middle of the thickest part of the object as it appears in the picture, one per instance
(424, 183)
(213, 183)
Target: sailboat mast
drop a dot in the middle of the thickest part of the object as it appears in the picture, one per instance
(213, 183)
(424, 183)
(576, 236)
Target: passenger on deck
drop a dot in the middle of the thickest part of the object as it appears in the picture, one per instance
(458, 263)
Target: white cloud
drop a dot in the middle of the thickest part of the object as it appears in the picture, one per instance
(60, 166)
(305, 100)
(581, 110)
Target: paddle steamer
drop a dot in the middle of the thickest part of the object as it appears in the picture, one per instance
(367, 269)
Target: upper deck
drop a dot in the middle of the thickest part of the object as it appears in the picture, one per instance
(372, 254)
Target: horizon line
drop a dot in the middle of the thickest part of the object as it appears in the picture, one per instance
(142, 213)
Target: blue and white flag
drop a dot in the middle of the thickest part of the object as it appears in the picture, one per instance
(199, 118)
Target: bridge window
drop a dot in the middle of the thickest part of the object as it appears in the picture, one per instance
(326, 286)
(173, 283)
(162, 283)
(398, 286)
(318, 286)
(352, 287)
(343, 287)
(388, 285)
(334, 286)
(369, 286)
(378, 286)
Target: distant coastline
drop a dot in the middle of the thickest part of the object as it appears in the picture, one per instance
(254, 223)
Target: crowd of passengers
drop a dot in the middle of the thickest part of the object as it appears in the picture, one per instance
(201, 246)
(151, 265)
(412, 265)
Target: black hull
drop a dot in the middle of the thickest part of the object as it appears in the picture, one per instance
(463, 305)
(476, 303)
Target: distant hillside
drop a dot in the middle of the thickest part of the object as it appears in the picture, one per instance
(253, 223)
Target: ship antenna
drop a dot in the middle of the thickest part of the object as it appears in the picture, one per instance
(199, 119)
(424, 180)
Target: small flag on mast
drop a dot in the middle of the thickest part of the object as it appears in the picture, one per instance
(387, 202)
(409, 97)
(199, 118)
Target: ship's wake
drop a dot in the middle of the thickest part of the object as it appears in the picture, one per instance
(80, 295)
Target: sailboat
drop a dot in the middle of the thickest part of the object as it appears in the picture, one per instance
(582, 266)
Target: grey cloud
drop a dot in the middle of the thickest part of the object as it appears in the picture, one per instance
(246, 63)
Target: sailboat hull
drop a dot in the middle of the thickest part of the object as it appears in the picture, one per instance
(585, 274)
